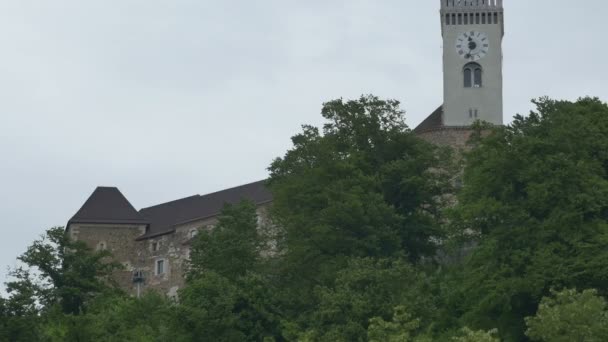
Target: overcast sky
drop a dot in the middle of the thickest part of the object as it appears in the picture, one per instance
(166, 99)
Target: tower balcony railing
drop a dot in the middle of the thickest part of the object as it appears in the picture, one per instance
(471, 4)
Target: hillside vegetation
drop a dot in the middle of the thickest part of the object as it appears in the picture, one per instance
(370, 241)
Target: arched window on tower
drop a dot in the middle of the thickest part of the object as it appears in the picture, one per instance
(468, 77)
(477, 78)
(472, 75)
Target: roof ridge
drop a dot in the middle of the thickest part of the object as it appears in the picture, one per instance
(198, 195)
(165, 217)
(170, 202)
(232, 188)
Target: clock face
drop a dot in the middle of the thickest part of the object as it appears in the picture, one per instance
(472, 45)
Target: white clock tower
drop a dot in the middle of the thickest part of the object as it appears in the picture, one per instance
(472, 61)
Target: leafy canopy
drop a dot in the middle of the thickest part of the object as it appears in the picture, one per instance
(535, 199)
(570, 315)
(363, 186)
(232, 247)
(60, 271)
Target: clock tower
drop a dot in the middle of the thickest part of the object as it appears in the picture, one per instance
(472, 61)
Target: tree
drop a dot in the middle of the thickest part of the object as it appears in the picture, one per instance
(58, 276)
(570, 315)
(400, 329)
(213, 307)
(403, 327)
(19, 318)
(535, 199)
(230, 249)
(60, 271)
(116, 318)
(468, 335)
(365, 186)
(227, 297)
(368, 290)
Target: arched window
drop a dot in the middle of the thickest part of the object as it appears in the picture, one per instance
(468, 77)
(472, 75)
(477, 78)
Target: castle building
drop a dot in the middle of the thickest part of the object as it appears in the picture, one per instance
(472, 33)
(153, 243)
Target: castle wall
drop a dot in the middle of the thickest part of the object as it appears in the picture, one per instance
(118, 239)
(456, 137)
(172, 249)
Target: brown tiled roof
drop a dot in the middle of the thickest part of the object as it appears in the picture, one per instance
(432, 122)
(164, 217)
(107, 205)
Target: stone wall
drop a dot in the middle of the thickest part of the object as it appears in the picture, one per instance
(119, 240)
(173, 249)
(455, 137)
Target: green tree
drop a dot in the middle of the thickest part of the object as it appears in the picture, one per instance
(232, 247)
(207, 310)
(402, 328)
(60, 271)
(570, 316)
(227, 296)
(16, 324)
(535, 199)
(57, 274)
(365, 186)
(367, 289)
(468, 335)
(115, 318)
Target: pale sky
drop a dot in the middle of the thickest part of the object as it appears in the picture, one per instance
(166, 99)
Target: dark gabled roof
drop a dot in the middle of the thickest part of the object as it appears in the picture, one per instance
(107, 205)
(432, 122)
(164, 217)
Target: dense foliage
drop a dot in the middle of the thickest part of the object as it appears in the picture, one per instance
(536, 202)
(362, 211)
(570, 316)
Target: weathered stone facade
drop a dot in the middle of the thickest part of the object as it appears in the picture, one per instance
(455, 137)
(118, 239)
(141, 257)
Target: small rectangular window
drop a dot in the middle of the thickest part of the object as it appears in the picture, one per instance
(447, 19)
(466, 18)
(154, 246)
(453, 19)
(475, 113)
(477, 20)
(483, 18)
(459, 18)
(470, 113)
(495, 18)
(160, 267)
